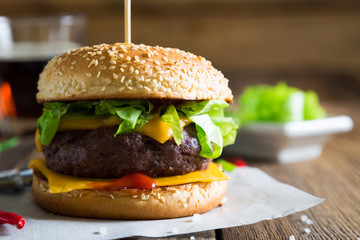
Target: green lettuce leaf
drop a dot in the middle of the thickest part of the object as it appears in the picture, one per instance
(279, 103)
(227, 128)
(171, 117)
(312, 108)
(49, 121)
(214, 131)
(211, 107)
(209, 136)
(134, 113)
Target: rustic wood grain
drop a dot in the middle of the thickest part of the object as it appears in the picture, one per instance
(207, 235)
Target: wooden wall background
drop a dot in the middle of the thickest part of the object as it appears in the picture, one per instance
(310, 44)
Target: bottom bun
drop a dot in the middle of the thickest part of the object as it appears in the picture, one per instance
(159, 203)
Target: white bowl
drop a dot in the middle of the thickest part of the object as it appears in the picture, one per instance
(287, 142)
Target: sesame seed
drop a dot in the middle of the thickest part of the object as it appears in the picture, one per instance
(134, 196)
(123, 48)
(103, 67)
(143, 197)
(73, 62)
(102, 58)
(131, 69)
(137, 71)
(157, 63)
(165, 59)
(121, 55)
(129, 87)
(136, 57)
(157, 68)
(128, 58)
(72, 67)
(88, 74)
(93, 62)
(98, 74)
(80, 195)
(122, 70)
(122, 79)
(115, 76)
(107, 80)
(111, 68)
(185, 205)
(120, 89)
(112, 61)
(162, 199)
(60, 73)
(112, 196)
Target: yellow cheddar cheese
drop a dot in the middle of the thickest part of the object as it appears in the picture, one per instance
(59, 183)
(157, 129)
(37, 141)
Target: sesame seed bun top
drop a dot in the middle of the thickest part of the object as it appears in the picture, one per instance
(130, 71)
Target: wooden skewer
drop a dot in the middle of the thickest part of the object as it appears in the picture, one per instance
(127, 21)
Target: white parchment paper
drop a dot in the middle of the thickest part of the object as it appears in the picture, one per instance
(252, 196)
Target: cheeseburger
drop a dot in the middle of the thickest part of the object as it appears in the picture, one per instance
(129, 132)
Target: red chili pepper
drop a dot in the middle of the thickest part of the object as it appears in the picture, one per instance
(12, 219)
(239, 162)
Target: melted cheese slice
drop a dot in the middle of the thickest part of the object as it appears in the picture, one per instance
(59, 183)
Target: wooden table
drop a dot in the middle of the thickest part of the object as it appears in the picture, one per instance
(335, 176)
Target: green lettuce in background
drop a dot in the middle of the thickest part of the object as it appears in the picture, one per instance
(214, 131)
(279, 103)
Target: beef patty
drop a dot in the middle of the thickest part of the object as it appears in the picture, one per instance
(97, 154)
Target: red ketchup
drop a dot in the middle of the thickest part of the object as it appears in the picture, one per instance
(133, 180)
